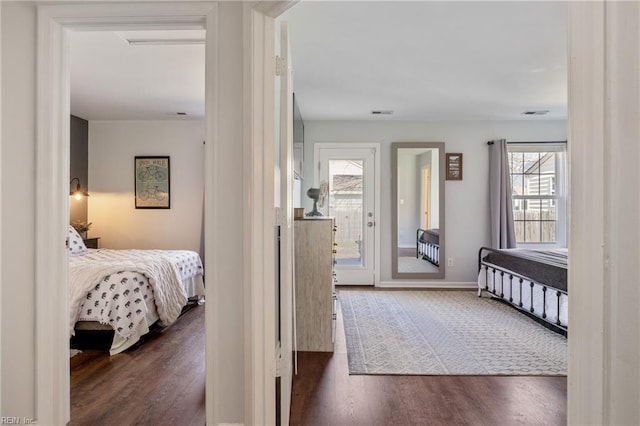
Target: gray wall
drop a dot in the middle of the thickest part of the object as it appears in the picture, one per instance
(78, 166)
(466, 202)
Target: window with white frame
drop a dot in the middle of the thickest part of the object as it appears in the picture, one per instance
(538, 184)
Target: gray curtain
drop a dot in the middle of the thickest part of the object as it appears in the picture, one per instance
(502, 229)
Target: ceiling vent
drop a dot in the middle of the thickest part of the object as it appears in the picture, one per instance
(382, 112)
(538, 112)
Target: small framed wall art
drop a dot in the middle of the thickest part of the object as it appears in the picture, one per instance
(152, 182)
(454, 166)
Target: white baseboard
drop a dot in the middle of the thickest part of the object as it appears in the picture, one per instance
(429, 284)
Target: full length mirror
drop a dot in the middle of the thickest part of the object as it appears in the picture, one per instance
(417, 197)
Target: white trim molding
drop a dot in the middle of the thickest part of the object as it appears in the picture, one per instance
(52, 177)
(259, 215)
(586, 213)
(0, 206)
(604, 228)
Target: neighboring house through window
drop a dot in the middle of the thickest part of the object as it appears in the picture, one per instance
(538, 184)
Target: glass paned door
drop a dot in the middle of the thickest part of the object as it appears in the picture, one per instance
(346, 207)
(350, 175)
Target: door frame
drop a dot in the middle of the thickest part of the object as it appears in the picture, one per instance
(52, 382)
(285, 220)
(52, 399)
(376, 188)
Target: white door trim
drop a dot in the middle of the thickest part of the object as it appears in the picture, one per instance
(260, 217)
(586, 233)
(287, 335)
(376, 187)
(604, 95)
(259, 212)
(52, 173)
(0, 202)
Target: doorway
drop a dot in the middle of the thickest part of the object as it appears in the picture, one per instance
(113, 75)
(55, 24)
(350, 174)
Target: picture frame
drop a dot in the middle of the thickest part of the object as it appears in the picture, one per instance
(152, 182)
(453, 163)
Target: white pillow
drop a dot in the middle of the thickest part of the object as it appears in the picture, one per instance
(76, 244)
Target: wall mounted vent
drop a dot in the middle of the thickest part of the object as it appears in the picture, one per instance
(381, 112)
(538, 112)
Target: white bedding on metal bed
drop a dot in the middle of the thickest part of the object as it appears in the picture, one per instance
(128, 290)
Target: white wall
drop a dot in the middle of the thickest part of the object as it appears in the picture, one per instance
(112, 148)
(18, 215)
(466, 204)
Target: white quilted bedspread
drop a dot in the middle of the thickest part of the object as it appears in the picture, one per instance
(163, 269)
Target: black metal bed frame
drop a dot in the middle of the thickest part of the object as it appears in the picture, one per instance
(427, 250)
(556, 326)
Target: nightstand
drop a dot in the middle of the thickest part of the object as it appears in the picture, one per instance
(92, 243)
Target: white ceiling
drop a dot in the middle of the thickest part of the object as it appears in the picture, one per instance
(423, 60)
(112, 80)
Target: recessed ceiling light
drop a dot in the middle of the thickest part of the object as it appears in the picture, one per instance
(538, 112)
(382, 112)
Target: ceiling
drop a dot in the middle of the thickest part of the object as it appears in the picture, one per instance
(423, 60)
(114, 80)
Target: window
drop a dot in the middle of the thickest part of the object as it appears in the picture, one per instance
(538, 176)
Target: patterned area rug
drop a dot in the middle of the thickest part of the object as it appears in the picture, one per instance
(445, 333)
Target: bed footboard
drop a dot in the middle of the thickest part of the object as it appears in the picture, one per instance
(427, 250)
(544, 303)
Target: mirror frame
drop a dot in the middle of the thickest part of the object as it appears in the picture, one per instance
(395, 274)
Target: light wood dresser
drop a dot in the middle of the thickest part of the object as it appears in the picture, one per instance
(315, 292)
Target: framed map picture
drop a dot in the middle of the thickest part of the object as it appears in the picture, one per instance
(152, 182)
(454, 166)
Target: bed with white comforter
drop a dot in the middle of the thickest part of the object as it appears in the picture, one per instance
(128, 290)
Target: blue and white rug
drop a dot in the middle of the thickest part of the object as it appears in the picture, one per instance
(445, 333)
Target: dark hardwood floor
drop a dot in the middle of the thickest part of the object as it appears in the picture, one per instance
(325, 394)
(161, 382)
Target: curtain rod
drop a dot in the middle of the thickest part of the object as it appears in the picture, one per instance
(540, 142)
